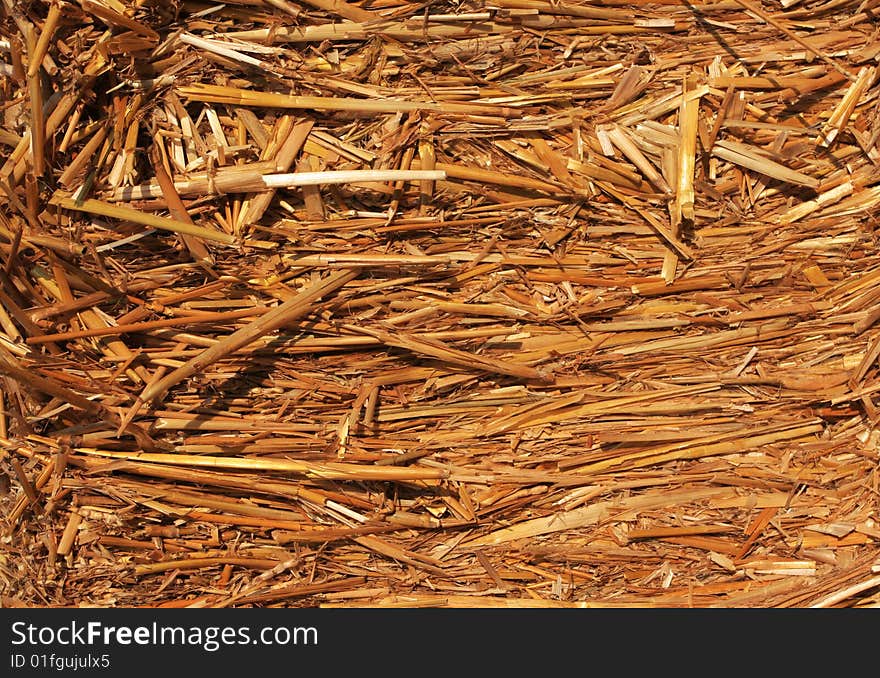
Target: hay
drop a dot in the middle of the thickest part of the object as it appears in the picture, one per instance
(483, 304)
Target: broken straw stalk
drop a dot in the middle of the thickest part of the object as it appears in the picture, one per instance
(244, 184)
(295, 307)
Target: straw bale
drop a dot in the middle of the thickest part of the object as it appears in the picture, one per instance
(450, 304)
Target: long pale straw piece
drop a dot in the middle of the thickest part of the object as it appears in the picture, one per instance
(252, 181)
(294, 179)
(324, 470)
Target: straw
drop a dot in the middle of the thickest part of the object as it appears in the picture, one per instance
(526, 304)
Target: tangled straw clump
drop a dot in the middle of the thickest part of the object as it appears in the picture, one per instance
(511, 303)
